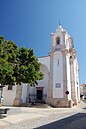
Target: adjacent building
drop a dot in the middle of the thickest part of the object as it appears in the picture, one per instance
(83, 89)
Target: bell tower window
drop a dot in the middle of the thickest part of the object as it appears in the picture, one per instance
(57, 40)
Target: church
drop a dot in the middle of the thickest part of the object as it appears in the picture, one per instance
(60, 86)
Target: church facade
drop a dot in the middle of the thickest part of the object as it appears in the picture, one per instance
(60, 86)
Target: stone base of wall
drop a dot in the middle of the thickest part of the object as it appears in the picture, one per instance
(17, 102)
(61, 103)
(75, 102)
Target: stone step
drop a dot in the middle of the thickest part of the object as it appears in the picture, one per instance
(38, 105)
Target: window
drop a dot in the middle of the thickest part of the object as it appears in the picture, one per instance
(10, 87)
(57, 40)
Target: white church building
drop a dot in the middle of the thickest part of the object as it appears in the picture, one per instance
(60, 86)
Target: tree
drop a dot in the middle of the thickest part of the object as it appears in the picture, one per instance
(27, 67)
(18, 65)
(8, 54)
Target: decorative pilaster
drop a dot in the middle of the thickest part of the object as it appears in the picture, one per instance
(50, 85)
(64, 75)
(72, 80)
(50, 82)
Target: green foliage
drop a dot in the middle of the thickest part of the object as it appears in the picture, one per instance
(18, 65)
(6, 72)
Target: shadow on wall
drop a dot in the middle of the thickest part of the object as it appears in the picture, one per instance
(77, 121)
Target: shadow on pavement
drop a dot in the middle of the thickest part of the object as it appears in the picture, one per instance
(77, 121)
(84, 101)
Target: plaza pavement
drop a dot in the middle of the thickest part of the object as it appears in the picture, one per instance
(45, 118)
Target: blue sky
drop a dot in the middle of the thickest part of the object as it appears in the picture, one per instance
(29, 23)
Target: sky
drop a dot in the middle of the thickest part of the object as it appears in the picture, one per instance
(29, 23)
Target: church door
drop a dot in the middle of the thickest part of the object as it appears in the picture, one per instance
(39, 94)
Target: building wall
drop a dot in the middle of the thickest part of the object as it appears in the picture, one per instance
(45, 61)
(42, 84)
(32, 93)
(24, 92)
(9, 95)
(58, 75)
(68, 77)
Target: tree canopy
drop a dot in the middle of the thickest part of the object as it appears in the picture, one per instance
(18, 64)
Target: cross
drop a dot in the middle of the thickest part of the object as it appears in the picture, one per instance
(59, 23)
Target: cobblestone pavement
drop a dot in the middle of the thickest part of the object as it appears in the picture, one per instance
(47, 118)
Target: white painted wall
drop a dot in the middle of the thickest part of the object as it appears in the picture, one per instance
(24, 92)
(32, 93)
(57, 75)
(68, 77)
(32, 90)
(9, 95)
(75, 78)
(44, 82)
(45, 61)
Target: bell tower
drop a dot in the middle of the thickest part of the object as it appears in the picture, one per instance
(58, 69)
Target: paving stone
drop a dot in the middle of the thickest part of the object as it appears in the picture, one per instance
(49, 118)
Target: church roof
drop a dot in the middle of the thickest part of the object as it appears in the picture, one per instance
(43, 56)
